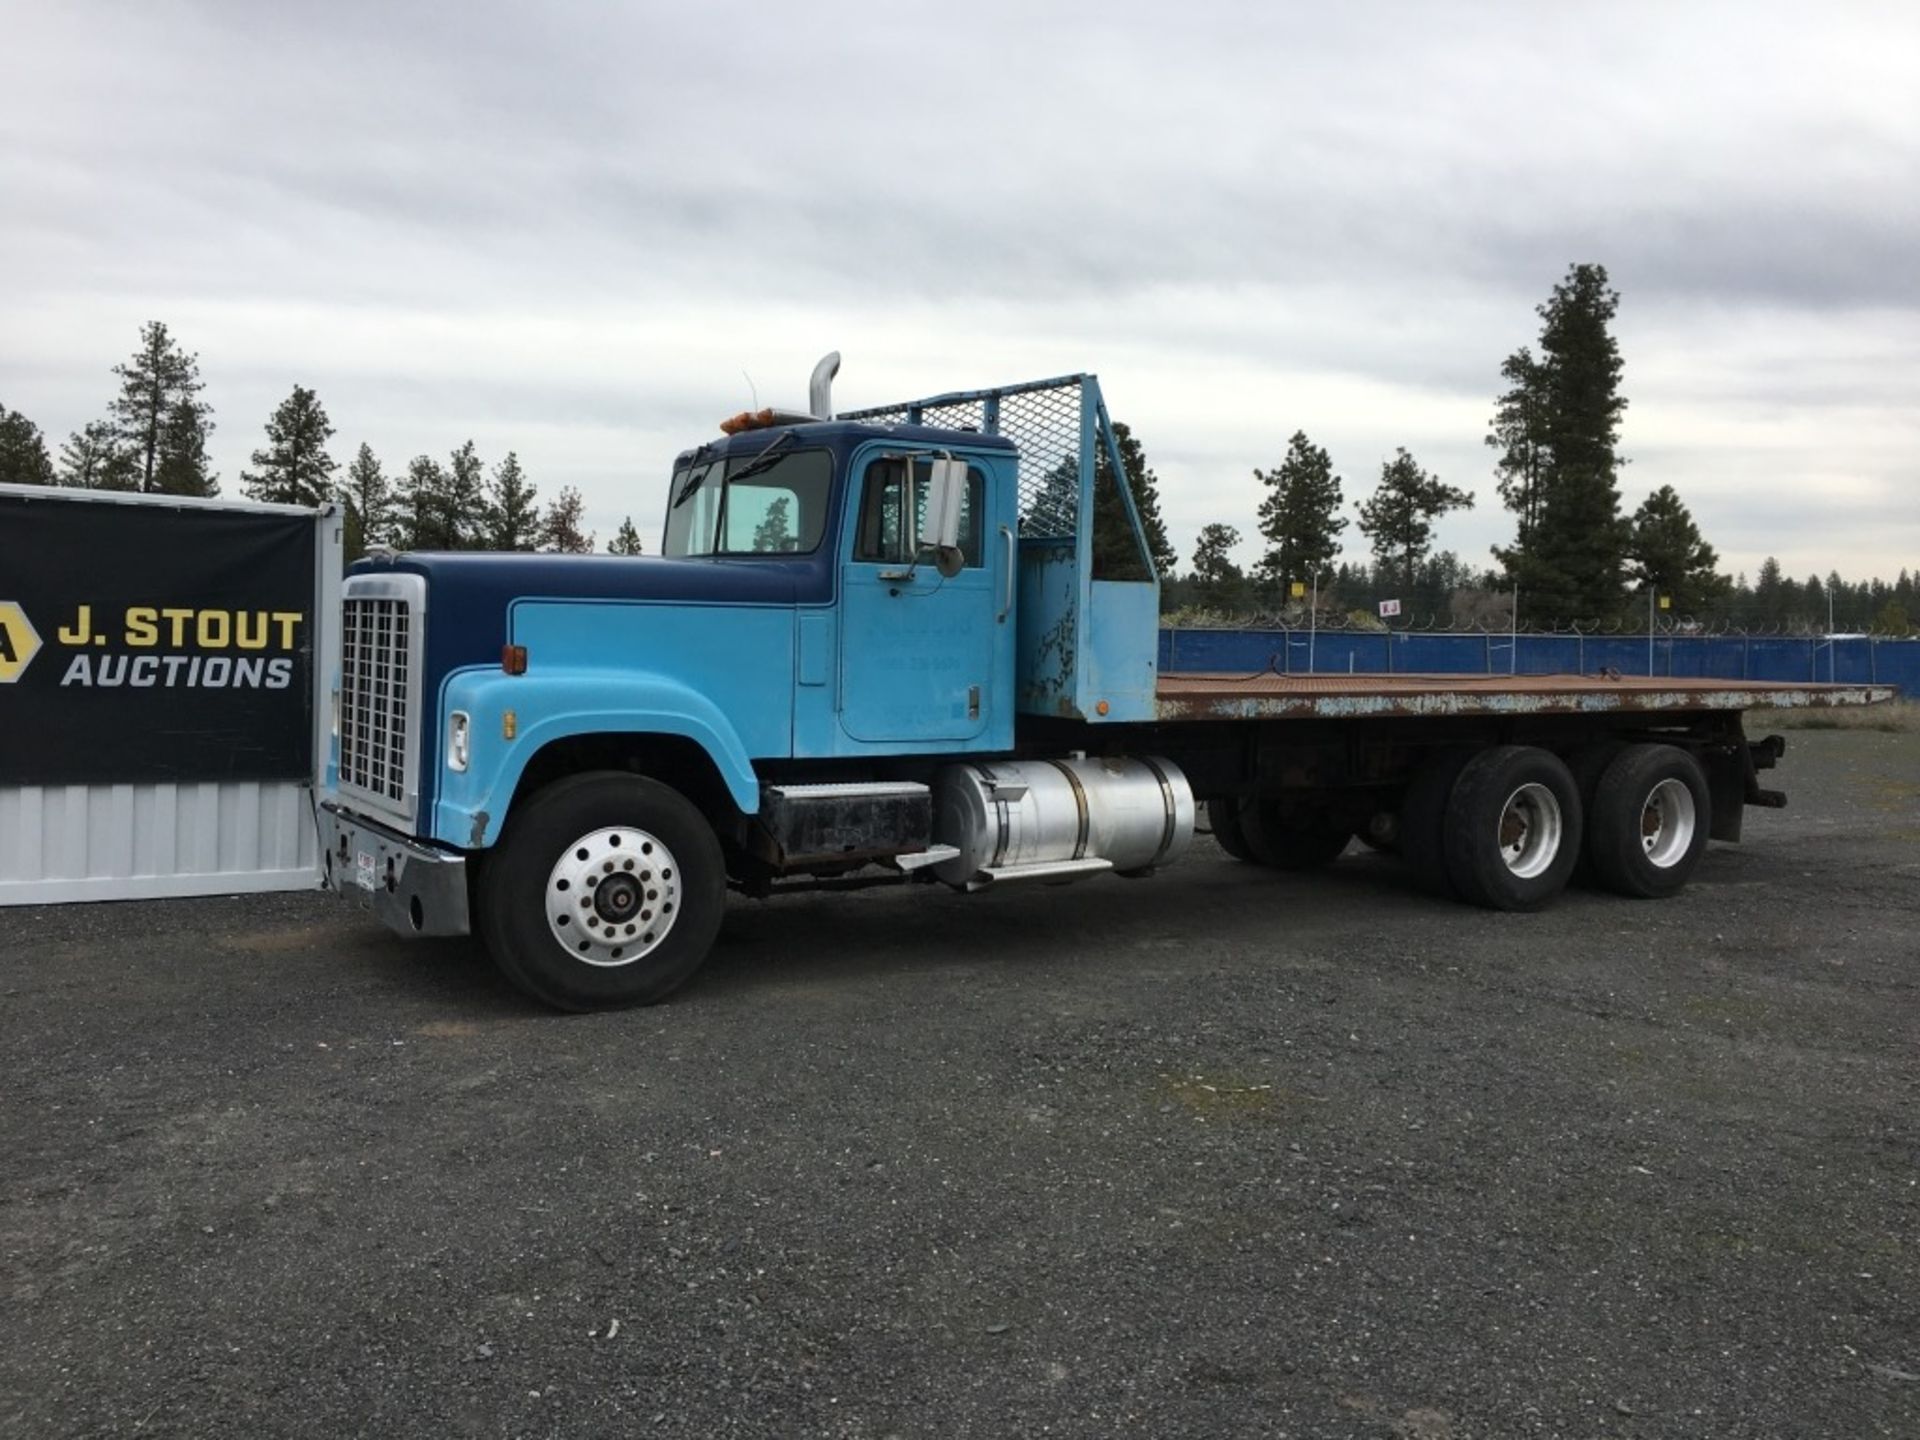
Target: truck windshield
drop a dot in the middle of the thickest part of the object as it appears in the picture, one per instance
(779, 508)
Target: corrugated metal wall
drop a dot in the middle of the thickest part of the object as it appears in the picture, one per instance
(136, 842)
(125, 842)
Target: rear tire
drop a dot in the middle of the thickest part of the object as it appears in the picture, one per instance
(1588, 764)
(621, 866)
(1512, 831)
(1423, 818)
(1651, 817)
(1223, 817)
(1284, 839)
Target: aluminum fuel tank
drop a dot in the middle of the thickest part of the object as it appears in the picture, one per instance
(1059, 818)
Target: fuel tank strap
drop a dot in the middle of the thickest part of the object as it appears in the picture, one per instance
(1169, 803)
(1080, 799)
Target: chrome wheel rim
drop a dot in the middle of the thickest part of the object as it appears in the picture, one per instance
(613, 896)
(1667, 824)
(1529, 831)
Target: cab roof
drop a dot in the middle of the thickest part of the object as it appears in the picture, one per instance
(842, 434)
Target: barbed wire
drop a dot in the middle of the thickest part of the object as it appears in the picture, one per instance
(1681, 627)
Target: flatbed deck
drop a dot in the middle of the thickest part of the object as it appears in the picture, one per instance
(1278, 697)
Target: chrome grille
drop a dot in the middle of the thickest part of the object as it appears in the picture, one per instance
(378, 690)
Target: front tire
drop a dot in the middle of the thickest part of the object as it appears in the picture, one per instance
(1651, 816)
(606, 889)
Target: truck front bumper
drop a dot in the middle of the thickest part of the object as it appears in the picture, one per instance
(412, 888)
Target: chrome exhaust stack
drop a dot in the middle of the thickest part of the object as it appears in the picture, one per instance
(820, 387)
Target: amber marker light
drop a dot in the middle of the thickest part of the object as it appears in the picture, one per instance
(509, 724)
(513, 659)
(1101, 708)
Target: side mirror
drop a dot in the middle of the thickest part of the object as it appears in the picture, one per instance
(946, 490)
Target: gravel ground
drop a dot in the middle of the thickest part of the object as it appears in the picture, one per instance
(1218, 1153)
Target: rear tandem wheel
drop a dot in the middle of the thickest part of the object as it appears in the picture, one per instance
(1512, 829)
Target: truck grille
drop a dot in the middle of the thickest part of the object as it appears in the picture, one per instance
(378, 686)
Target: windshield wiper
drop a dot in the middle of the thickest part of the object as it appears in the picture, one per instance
(696, 477)
(760, 463)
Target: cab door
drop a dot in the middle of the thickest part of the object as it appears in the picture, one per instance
(917, 649)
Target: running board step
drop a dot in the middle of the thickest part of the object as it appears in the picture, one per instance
(851, 790)
(1046, 870)
(932, 855)
(803, 826)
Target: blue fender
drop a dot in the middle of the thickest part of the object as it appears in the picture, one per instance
(556, 704)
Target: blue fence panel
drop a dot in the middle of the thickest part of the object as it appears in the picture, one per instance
(1848, 660)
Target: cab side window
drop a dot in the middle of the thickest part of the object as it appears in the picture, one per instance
(892, 507)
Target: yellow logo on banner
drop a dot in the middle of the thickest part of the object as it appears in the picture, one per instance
(19, 642)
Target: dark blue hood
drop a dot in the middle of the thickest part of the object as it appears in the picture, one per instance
(489, 580)
(469, 595)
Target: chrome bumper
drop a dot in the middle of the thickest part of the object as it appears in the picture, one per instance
(412, 888)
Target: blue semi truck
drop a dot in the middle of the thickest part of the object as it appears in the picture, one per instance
(916, 644)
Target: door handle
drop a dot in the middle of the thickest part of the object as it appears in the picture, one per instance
(1006, 596)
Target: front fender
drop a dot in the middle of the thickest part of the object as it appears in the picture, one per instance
(555, 705)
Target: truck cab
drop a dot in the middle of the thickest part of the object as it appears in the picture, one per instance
(842, 610)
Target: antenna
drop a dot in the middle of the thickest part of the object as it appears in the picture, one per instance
(752, 389)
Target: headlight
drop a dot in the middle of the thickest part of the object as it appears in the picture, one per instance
(459, 740)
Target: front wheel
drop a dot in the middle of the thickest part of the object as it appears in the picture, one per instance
(606, 889)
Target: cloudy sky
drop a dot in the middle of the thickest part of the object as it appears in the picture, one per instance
(575, 230)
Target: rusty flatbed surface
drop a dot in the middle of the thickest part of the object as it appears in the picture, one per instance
(1271, 696)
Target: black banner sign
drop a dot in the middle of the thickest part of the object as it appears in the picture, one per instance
(145, 643)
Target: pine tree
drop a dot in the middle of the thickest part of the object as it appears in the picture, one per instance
(370, 504)
(1398, 518)
(1667, 554)
(561, 529)
(466, 499)
(423, 522)
(294, 468)
(1300, 515)
(626, 540)
(1055, 509)
(1768, 601)
(1518, 433)
(1813, 604)
(513, 507)
(181, 467)
(1112, 535)
(23, 453)
(1213, 554)
(93, 459)
(774, 533)
(1568, 560)
(159, 418)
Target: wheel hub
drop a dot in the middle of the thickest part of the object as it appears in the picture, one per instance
(613, 896)
(1667, 823)
(616, 899)
(1530, 825)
